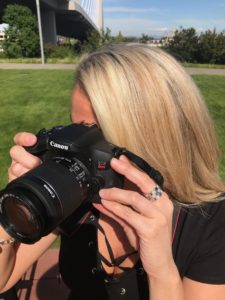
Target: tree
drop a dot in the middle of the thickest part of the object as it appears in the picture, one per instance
(211, 47)
(184, 44)
(220, 48)
(95, 40)
(144, 39)
(119, 38)
(22, 39)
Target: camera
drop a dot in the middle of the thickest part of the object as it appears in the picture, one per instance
(75, 166)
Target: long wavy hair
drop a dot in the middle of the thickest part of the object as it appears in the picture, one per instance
(145, 101)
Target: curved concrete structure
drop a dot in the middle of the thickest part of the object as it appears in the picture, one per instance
(70, 18)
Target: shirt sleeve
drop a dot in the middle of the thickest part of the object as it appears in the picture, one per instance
(208, 266)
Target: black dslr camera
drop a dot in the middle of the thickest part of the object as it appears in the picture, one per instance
(76, 165)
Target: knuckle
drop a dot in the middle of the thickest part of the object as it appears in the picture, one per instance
(134, 197)
(13, 151)
(146, 179)
(127, 168)
(15, 169)
(34, 162)
(128, 212)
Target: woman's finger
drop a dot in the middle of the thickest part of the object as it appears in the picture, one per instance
(27, 160)
(129, 231)
(25, 139)
(132, 199)
(17, 170)
(124, 158)
(142, 225)
(141, 179)
(110, 214)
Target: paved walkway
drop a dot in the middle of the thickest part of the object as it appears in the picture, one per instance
(199, 71)
(42, 280)
(10, 66)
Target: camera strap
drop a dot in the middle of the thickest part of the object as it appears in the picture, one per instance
(142, 164)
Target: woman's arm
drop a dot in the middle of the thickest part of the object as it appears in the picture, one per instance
(201, 291)
(168, 286)
(15, 260)
(148, 225)
(172, 287)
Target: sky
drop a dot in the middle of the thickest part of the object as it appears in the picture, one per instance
(162, 17)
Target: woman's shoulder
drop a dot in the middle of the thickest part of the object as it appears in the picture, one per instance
(202, 223)
(211, 211)
(199, 245)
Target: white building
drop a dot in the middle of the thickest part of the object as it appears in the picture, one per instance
(2, 37)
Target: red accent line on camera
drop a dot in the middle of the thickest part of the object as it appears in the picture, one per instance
(101, 166)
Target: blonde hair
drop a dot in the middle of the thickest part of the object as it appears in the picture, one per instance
(145, 101)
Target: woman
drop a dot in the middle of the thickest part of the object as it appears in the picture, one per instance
(138, 244)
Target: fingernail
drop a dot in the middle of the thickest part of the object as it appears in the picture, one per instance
(102, 193)
(115, 160)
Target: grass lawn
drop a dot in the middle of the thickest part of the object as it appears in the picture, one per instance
(29, 101)
(33, 99)
(213, 90)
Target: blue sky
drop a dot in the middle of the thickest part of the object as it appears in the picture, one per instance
(160, 17)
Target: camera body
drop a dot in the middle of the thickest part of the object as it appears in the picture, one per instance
(84, 151)
(75, 166)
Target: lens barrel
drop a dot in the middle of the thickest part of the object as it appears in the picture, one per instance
(33, 205)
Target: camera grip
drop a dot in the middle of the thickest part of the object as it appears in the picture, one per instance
(41, 147)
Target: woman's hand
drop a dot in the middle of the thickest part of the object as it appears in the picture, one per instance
(147, 223)
(22, 161)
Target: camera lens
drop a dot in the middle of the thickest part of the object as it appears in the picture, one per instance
(20, 216)
(33, 205)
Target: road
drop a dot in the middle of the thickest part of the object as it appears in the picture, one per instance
(10, 66)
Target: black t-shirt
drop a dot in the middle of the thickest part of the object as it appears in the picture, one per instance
(198, 250)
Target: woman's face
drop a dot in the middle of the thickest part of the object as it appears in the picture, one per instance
(81, 108)
(81, 111)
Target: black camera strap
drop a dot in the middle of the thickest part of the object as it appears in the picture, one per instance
(142, 164)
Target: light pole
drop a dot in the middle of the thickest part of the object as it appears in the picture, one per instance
(40, 32)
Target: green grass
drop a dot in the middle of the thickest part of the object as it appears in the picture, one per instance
(213, 90)
(33, 99)
(29, 101)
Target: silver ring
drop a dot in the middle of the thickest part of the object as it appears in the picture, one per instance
(155, 194)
